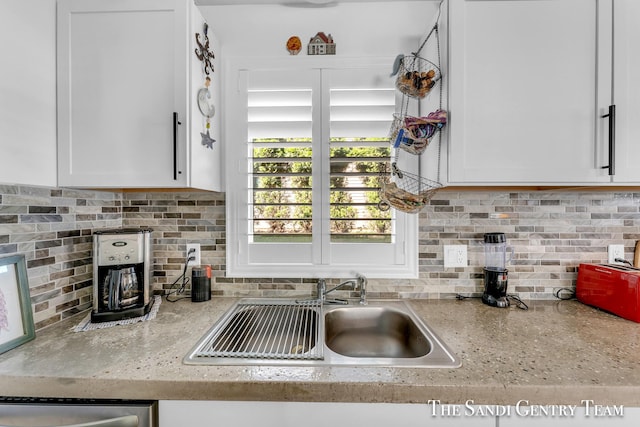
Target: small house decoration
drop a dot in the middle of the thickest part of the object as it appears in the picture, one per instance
(321, 44)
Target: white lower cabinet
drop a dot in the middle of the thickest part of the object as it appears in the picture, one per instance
(179, 413)
(567, 416)
(175, 413)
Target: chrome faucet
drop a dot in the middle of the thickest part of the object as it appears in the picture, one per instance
(321, 289)
(362, 286)
(360, 283)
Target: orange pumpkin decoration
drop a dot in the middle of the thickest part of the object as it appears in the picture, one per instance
(294, 45)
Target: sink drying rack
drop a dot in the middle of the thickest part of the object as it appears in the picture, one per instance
(268, 329)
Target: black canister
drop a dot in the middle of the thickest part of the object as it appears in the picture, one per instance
(201, 283)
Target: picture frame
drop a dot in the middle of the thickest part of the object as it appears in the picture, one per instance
(16, 317)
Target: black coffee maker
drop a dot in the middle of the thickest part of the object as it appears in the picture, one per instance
(495, 271)
(121, 274)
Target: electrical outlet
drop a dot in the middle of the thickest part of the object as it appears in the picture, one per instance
(615, 251)
(195, 254)
(455, 256)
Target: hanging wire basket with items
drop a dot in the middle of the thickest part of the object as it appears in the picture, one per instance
(415, 78)
(405, 191)
(413, 134)
(417, 75)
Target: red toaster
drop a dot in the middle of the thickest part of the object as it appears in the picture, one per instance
(613, 288)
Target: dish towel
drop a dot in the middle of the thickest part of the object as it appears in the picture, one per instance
(87, 325)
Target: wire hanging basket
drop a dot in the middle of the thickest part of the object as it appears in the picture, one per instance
(405, 191)
(413, 134)
(417, 76)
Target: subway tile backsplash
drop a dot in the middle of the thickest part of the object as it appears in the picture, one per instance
(52, 228)
(550, 232)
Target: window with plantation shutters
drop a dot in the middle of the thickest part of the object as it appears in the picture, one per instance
(307, 147)
(280, 126)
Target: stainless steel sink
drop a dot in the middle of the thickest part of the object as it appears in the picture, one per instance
(286, 332)
(383, 333)
(374, 332)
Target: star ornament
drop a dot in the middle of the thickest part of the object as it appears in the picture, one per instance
(207, 141)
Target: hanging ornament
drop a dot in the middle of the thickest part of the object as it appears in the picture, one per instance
(205, 100)
(203, 53)
(207, 141)
(205, 105)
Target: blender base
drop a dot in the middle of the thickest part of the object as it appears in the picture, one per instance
(501, 302)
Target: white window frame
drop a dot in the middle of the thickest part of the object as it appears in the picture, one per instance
(398, 259)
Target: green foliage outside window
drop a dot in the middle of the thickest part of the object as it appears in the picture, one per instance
(287, 171)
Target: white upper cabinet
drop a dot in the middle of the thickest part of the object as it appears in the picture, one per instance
(128, 79)
(524, 97)
(626, 90)
(28, 93)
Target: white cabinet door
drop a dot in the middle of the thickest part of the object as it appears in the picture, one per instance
(127, 79)
(309, 414)
(564, 416)
(523, 97)
(626, 93)
(122, 75)
(28, 93)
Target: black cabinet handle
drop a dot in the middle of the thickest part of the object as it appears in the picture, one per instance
(176, 123)
(612, 140)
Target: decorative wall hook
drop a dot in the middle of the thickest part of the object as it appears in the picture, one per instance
(203, 53)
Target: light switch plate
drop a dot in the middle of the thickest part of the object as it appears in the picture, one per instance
(455, 256)
(615, 251)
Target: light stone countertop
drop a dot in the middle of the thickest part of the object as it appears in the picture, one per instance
(558, 352)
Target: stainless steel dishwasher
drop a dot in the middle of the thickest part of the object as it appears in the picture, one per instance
(54, 412)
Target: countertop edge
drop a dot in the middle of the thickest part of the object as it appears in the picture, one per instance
(287, 391)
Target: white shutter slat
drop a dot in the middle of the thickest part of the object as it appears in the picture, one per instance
(279, 114)
(289, 129)
(385, 97)
(355, 129)
(279, 98)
